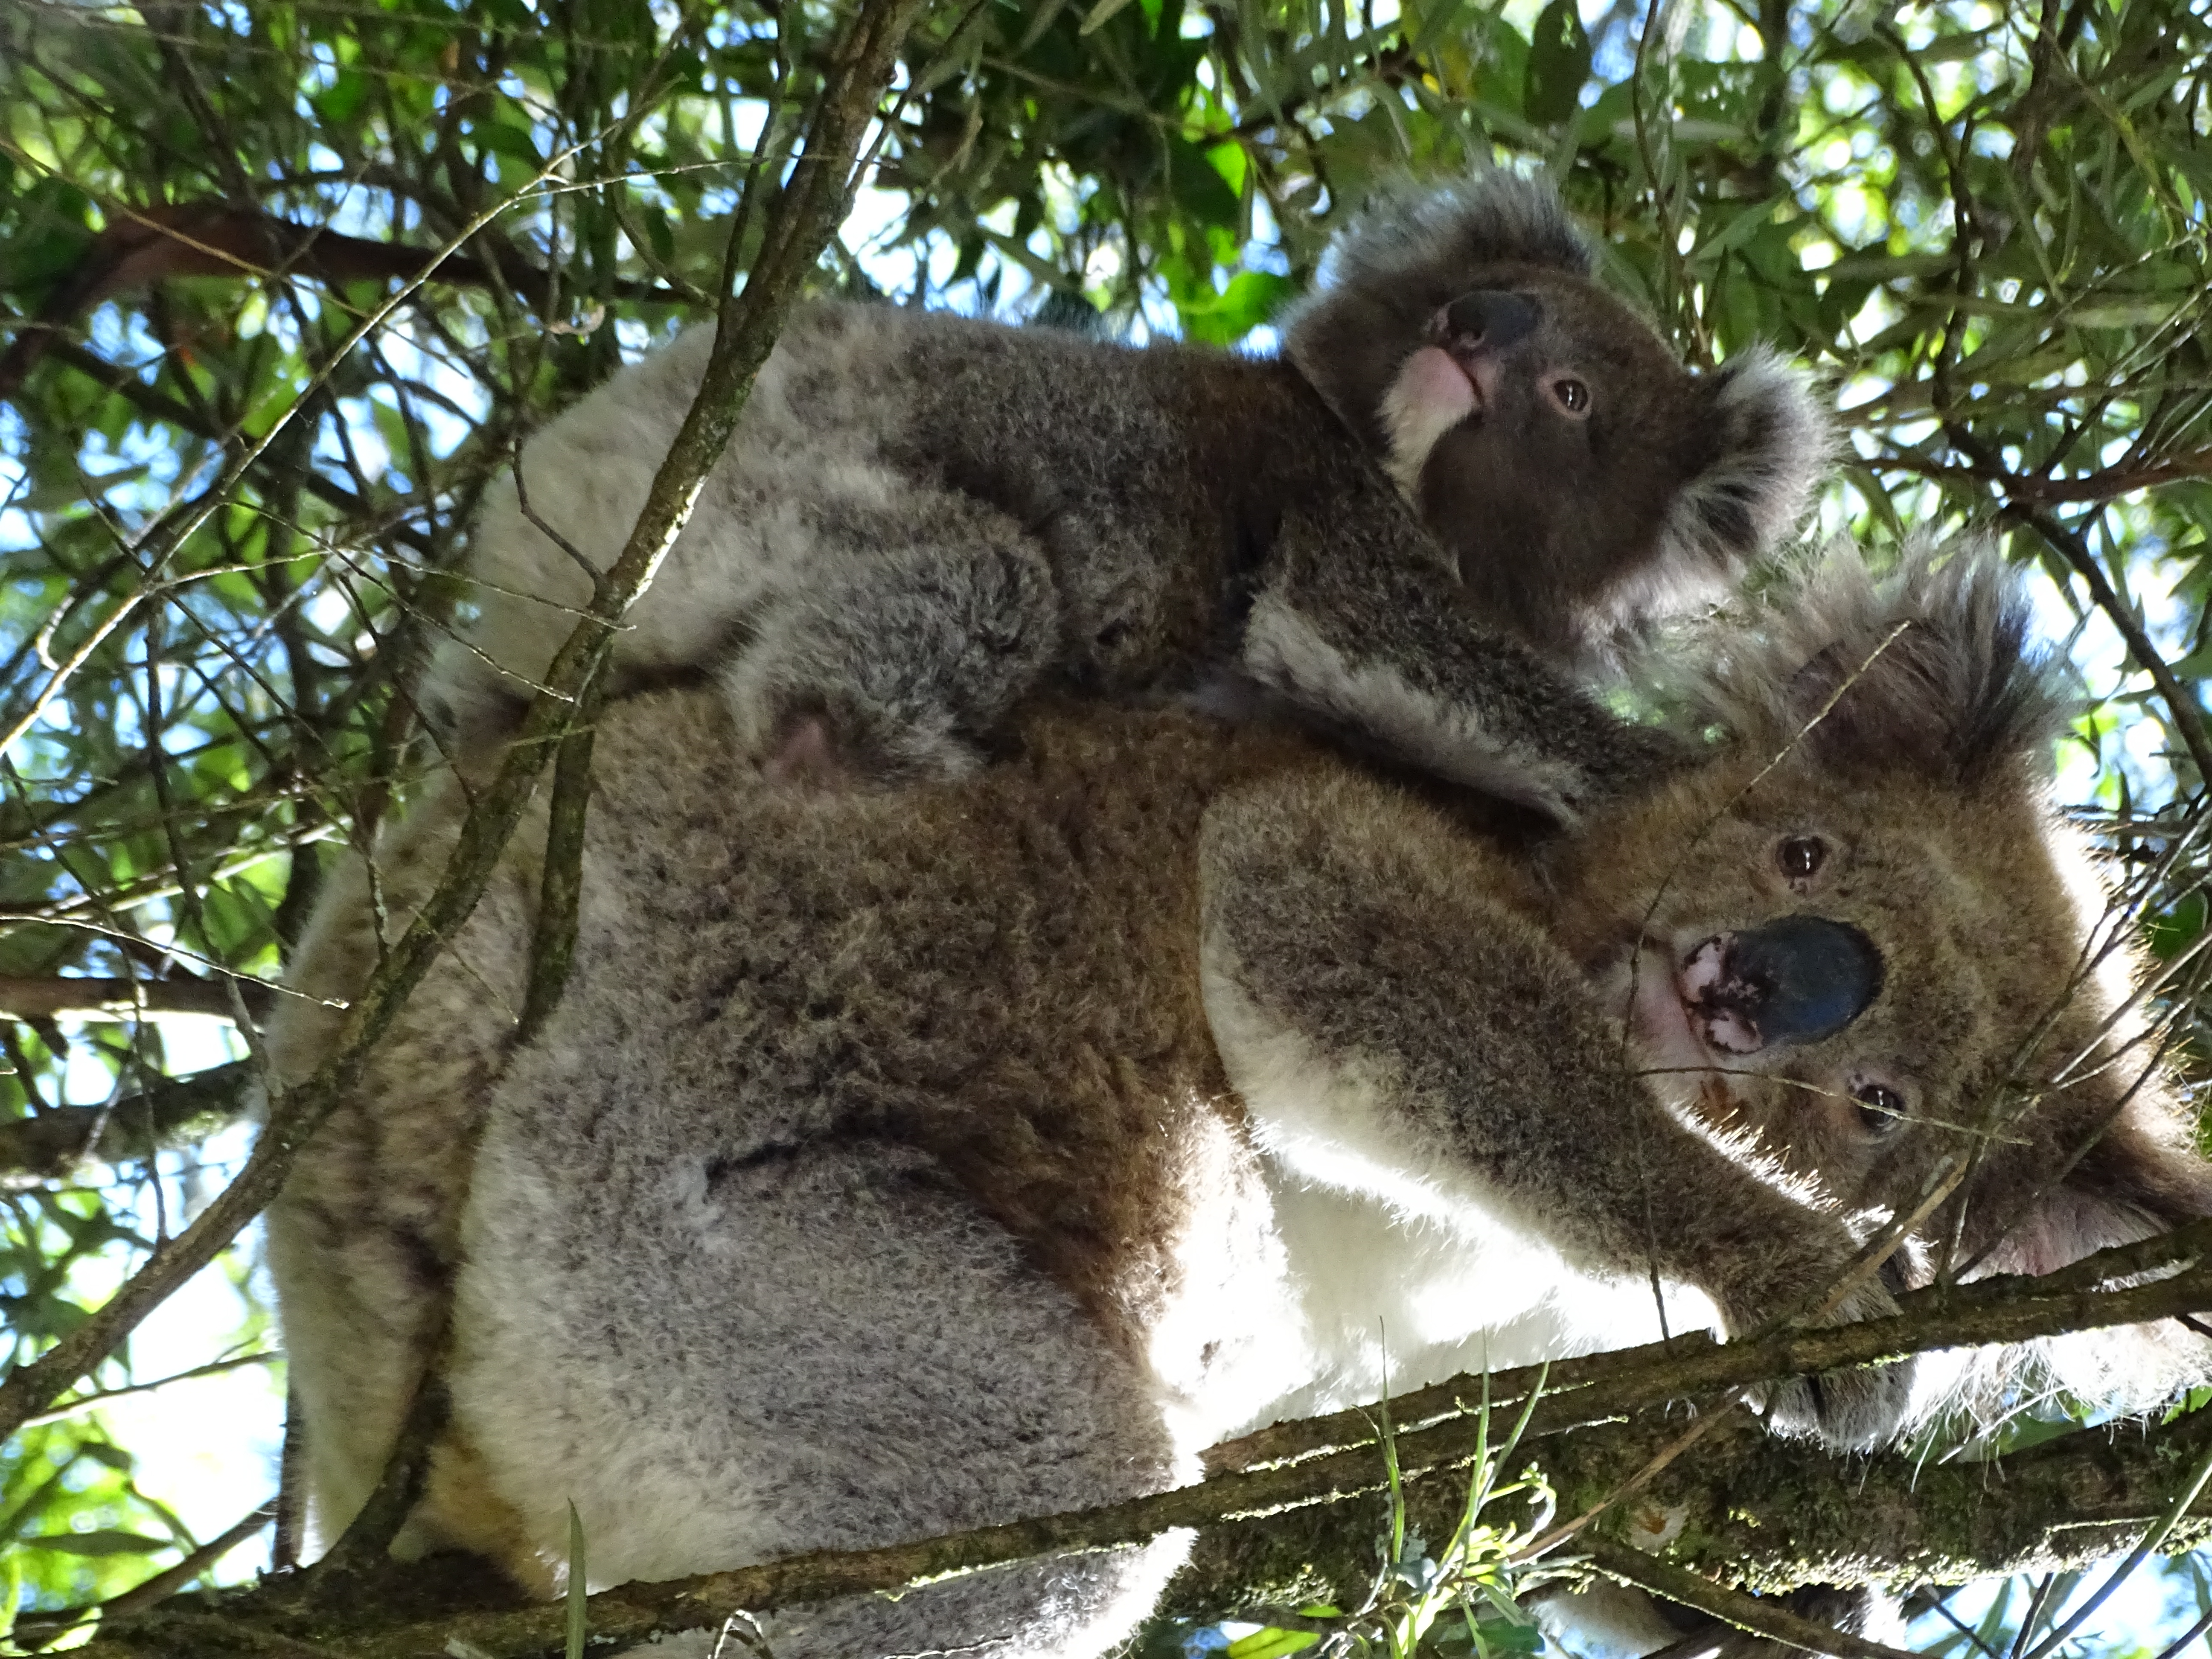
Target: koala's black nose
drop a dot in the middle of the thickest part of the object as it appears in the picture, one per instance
(1800, 978)
(1490, 320)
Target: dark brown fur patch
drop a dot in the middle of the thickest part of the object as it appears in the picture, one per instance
(1001, 974)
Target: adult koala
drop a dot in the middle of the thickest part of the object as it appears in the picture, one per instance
(900, 1163)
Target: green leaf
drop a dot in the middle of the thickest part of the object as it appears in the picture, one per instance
(2122, 314)
(1558, 64)
(1500, 1637)
(2172, 932)
(1100, 14)
(1251, 298)
(1198, 188)
(100, 1541)
(512, 142)
(344, 98)
(1231, 162)
(49, 238)
(1270, 1644)
(659, 232)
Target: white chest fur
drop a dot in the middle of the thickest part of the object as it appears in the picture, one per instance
(1378, 1270)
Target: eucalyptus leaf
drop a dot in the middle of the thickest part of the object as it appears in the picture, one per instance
(1558, 64)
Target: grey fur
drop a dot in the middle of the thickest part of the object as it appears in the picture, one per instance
(902, 1160)
(922, 516)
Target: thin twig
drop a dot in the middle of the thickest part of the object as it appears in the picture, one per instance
(87, 1402)
(1632, 1566)
(47, 1627)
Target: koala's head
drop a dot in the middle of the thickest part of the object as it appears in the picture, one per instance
(1859, 940)
(1580, 475)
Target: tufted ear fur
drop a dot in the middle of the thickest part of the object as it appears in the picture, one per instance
(2113, 1167)
(1930, 669)
(1770, 445)
(2135, 1179)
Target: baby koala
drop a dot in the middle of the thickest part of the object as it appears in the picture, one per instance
(1471, 464)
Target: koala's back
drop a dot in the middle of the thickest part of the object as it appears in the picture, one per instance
(871, 429)
(1001, 975)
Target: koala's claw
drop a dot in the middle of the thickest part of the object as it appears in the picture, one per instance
(1854, 1410)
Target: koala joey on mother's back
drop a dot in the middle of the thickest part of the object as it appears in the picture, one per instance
(900, 1162)
(1473, 461)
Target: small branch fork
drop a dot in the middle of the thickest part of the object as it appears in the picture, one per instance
(799, 224)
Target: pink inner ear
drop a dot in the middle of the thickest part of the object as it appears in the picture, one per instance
(805, 756)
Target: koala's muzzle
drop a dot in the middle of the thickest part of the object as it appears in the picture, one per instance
(1486, 320)
(1796, 980)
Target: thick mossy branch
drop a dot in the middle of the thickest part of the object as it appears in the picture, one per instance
(2003, 1309)
(1757, 1513)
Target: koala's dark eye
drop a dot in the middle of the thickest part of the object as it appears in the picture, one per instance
(1881, 1108)
(1801, 857)
(1571, 395)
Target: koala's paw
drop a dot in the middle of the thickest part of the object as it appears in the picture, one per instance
(816, 747)
(1856, 1409)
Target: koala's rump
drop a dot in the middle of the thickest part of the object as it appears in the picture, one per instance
(939, 1053)
(1000, 974)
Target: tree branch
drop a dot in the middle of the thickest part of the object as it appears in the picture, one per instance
(37, 1630)
(27, 997)
(89, 1403)
(1759, 1512)
(144, 245)
(172, 1112)
(1633, 1566)
(2005, 1308)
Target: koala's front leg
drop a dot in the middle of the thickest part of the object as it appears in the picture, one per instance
(894, 666)
(1386, 998)
(1364, 624)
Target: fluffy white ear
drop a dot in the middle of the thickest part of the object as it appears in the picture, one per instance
(1772, 441)
(2137, 1177)
(1933, 668)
